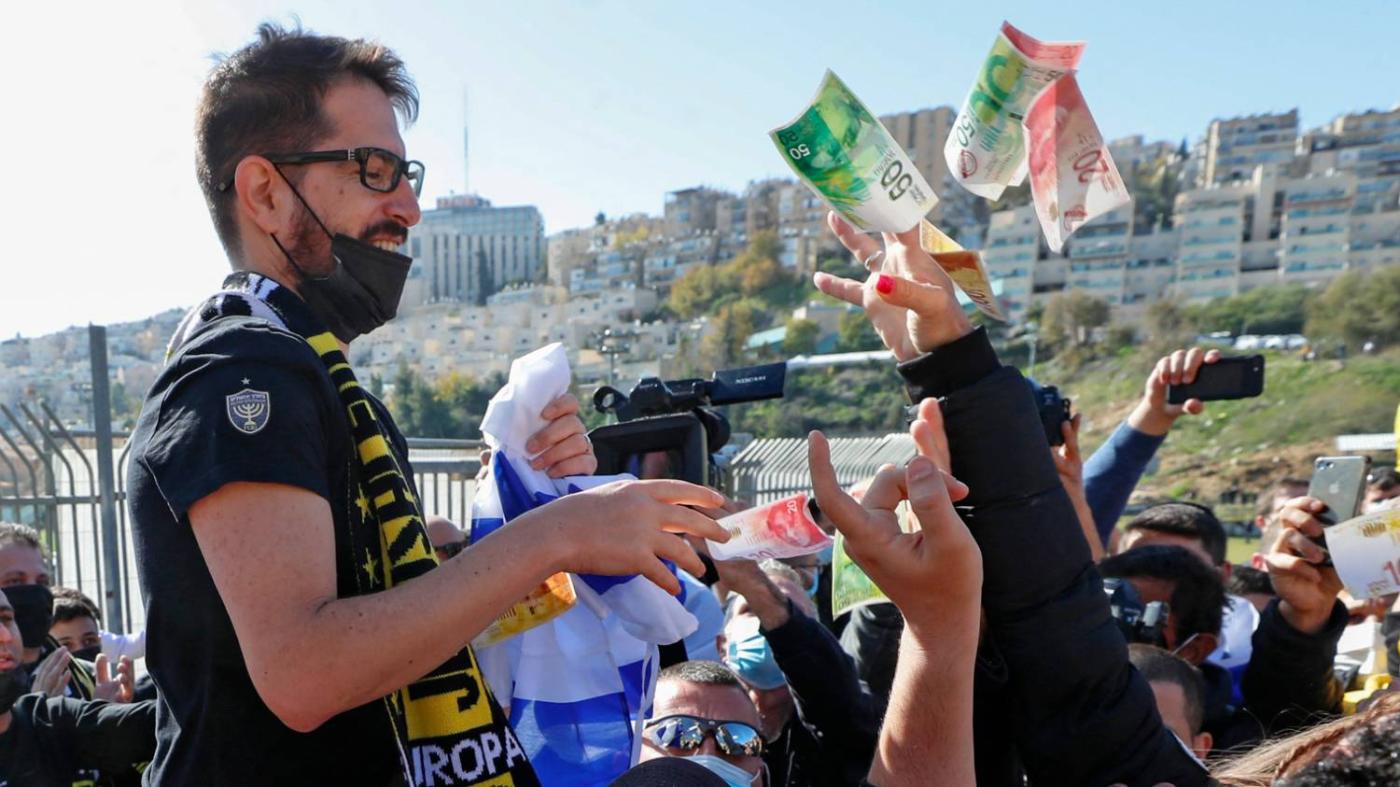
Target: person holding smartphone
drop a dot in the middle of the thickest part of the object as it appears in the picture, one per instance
(1113, 471)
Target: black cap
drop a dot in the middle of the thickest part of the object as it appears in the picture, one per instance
(669, 772)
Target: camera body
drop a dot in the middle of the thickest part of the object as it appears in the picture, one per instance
(1139, 622)
(1054, 410)
(668, 429)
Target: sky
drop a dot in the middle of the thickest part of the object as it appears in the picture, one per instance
(586, 106)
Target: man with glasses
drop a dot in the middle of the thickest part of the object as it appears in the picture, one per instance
(300, 629)
(703, 712)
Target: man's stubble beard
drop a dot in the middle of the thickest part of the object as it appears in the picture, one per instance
(310, 248)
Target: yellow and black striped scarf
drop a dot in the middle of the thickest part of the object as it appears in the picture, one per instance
(450, 729)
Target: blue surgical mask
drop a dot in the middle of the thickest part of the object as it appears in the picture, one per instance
(733, 775)
(747, 653)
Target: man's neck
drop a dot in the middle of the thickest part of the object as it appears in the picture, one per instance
(5, 719)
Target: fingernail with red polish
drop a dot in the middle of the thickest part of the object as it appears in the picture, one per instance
(884, 284)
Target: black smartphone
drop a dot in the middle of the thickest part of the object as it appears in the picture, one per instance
(1228, 378)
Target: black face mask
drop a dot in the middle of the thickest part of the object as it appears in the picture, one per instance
(87, 654)
(33, 606)
(361, 292)
(14, 683)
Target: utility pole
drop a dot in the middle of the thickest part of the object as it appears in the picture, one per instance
(610, 344)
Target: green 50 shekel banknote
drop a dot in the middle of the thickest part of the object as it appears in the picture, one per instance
(1025, 114)
(843, 152)
(986, 150)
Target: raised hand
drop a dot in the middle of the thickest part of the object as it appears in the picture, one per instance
(562, 447)
(934, 574)
(1307, 591)
(51, 676)
(1154, 415)
(908, 298)
(120, 687)
(627, 527)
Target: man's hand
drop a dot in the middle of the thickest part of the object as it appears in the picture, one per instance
(1069, 464)
(1153, 415)
(908, 297)
(1307, 592)
(114, 688)
(934, 575)
(766, 601)
(744, 577)
(627, 527)
(51, 676)
(562, 447)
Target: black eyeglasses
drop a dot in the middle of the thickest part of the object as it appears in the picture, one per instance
(687, 733)
(380, 169)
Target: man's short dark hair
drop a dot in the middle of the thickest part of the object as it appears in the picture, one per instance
(706, 673)
(267, 96)
(1264, 505)
(1191, 520)
(1383, 480)
(1159, 666)
(71, 604)
(12, 533)
(1198, 597)
(1245, 580)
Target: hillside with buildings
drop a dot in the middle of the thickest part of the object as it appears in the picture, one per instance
(1256, 202)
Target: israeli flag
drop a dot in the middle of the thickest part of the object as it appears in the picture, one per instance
(578, 686)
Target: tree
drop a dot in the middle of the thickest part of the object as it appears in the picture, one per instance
(696, 292)
(124, 409)
(485, 278)
(730, 330)
(1281, 309)
(1358, 307)
(759, 275)
(755, 272)
(600, 219)
(1071, 317)
(801, 337)
(401, 404)
(854, 333)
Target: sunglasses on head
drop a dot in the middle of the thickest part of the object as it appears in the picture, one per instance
(450, 549)
(688, 733)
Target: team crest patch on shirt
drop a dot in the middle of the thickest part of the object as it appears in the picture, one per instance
(248, 410)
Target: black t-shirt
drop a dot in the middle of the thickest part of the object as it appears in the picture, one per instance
(240, 401)
(50, 738)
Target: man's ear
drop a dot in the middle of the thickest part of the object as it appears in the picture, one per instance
(1227, 569)
(261, 193)
(1202, 744)
(1199, 649)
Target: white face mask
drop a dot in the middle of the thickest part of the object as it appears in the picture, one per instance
(733, 775)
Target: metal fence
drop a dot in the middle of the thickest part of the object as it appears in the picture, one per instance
(772, 468)
(52, 479)
(70, 485)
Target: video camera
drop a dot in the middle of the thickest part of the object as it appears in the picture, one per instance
(668, 429)
(1145, 623)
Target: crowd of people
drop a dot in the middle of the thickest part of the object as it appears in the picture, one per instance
(308, 623)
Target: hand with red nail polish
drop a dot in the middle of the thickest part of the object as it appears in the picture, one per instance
(907, 297)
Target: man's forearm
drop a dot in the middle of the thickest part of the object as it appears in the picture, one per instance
(928, 725)
(385, 640)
